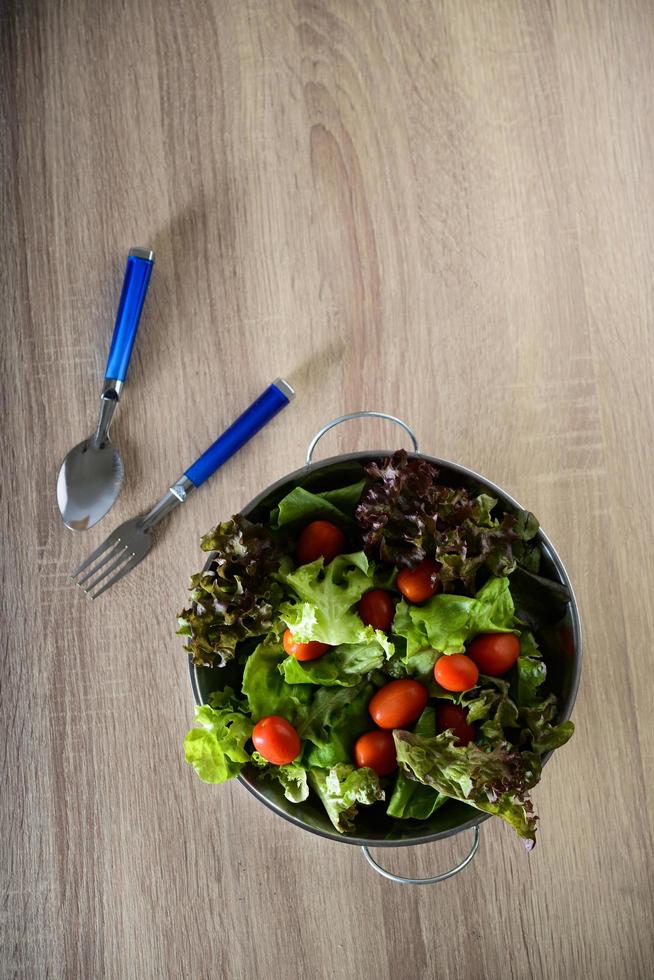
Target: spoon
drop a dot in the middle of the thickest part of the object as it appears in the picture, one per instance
(91, 475)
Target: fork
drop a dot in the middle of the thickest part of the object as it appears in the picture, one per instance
(129, 544)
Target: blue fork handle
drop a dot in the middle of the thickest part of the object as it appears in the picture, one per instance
(272, 400)
(135, 286)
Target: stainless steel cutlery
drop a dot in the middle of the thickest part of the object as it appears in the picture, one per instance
(129, 544)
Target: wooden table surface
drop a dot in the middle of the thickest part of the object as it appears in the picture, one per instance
(443, 210)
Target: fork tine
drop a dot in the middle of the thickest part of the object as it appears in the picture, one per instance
(116, 556)
(119, 574)
(108, 542)
(123, 555)
(105, 557)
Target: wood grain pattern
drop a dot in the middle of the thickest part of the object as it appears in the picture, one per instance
(440, 209)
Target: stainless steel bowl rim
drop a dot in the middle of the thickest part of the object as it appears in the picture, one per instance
(566, 709)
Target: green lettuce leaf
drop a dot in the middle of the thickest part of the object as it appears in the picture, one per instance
(267, 692)
(538, 601)
(553, 737)
(525, 547)
(442, 624)
(411, 799)
(447, 622)
(538, 721)
(345, 498)
(236, 597)
(344, 665)
(342, 788)
(216, 749)
(421, 665)
(494, 611)
(302, 505)
(292, 777)
(528, 726)
(496, 781)
(485, 505)
(531, 671)
(326, 597)
(493, 707)
(333, 722)
(294, 780)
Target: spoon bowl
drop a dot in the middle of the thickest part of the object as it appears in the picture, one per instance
(89, 481)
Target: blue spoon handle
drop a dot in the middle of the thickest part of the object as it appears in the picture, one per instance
(135, 286)
(268, 404)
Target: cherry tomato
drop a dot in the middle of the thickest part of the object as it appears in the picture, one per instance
(377, 609)
(456, 672)
(454, 717)
(398, 704)
(494, 653)
(276, 740)
(320, 539)
(419, 583)
(567, 641)
(303, 651)
(376, 750)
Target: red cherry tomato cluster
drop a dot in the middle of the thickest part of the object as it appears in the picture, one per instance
(395, 705)
(399, 703)
(489, 653)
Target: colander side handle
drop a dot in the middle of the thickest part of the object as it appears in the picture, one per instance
(359, 415)
(425, 881)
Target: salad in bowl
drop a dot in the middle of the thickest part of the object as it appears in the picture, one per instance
(374, 647)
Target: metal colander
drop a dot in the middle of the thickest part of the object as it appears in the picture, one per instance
(562, 653)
